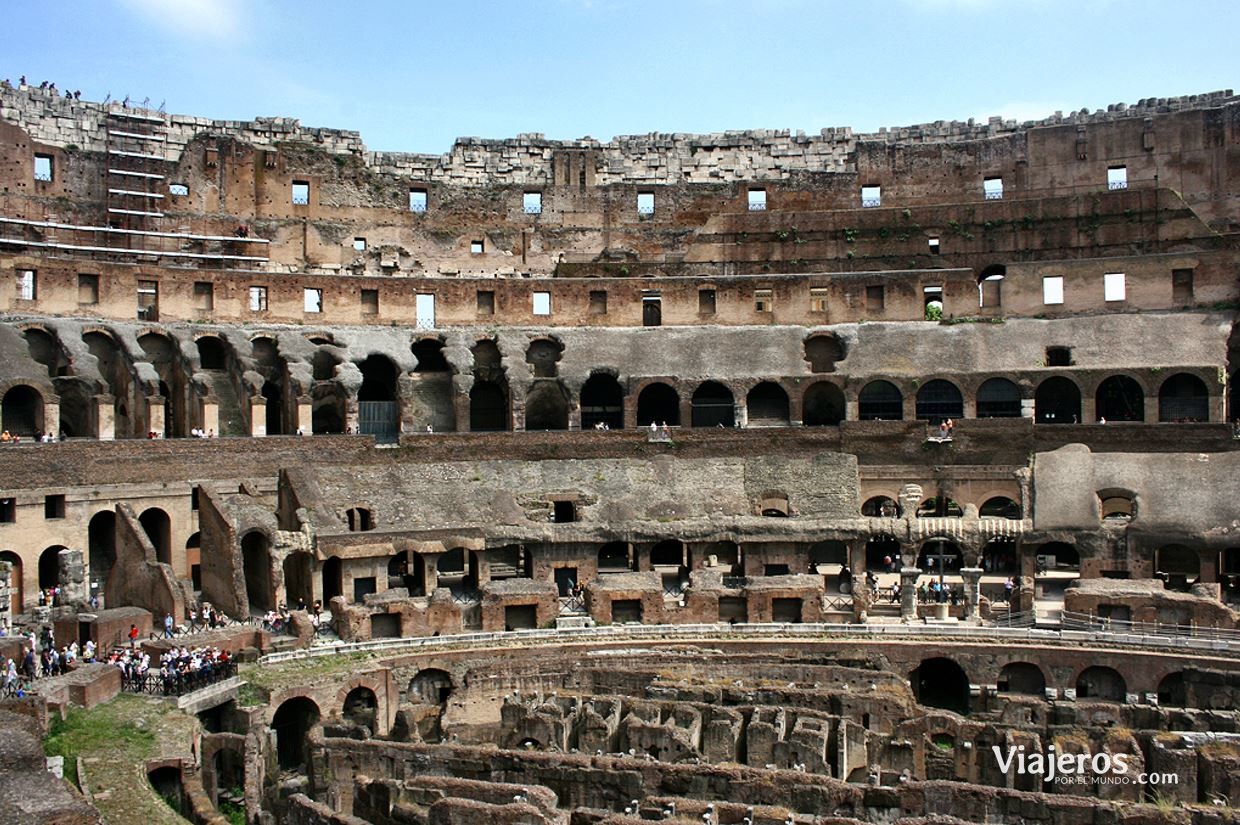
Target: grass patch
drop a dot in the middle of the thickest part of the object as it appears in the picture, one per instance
(308, 671)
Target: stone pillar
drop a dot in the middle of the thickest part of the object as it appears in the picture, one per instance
(51, 417)
(740, 411)
(630, 411)
(6, 594)
(1151, 407)
(908, 593)
(305, 418)
(686, 411)
(862, 598)
(258, 417)
(1209, 567)
(211, 417)
(972, 592)
(157, 415)
(796, 414)
(107, 418)
(71, 574)
(431, 582)
(852, 410)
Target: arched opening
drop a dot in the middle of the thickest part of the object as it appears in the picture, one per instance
(323, 365)
(277, 419)
(167, 782)
(1172, 690)
(880, 507)
(668, 559)
(45, 349)
(1178, 566)
(1117, 504)
(158, 527)
(882, 552)
(76, 408)
(17, 597)
(21, 411)
(164, 355)
(327, 411)
(212, 354)
(256, 563)
(990, 286)
(939, 507)
(880, 401)
(614, 557)
(49, 567)
(822, 405)
(292, 723)
(712, 405)
(939, 555)
(458, 570)
(101, 543)
(998, 398)
(113, 367)
(546, 407)
(193, 559)
(333, 579)
(941, 683)
(488, 407)
(1022, 677)
(774, 504)
(999, 556)
(430, 686)
(359, 519)
(298, 580)
(429, 353)
(487, 358)
(273, 393)
(939, 400)
(1120, 398)
(1184, 397)
(1100, 682)
(361, 709)
(1057, 401)
(767, 405)
(602, 403)
(823, 352)
(543, 356)
(1000, 507)
(378, 411)
(658, 403)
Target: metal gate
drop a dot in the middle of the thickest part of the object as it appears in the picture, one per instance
(380, 419)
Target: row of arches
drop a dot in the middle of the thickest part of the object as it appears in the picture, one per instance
(940, 507)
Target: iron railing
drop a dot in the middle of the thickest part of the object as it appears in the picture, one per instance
(154, 683)
(1093, 623)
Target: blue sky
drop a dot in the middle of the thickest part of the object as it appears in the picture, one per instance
(412, 76)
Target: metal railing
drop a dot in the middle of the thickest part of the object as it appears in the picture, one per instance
(1092, 623)
(154, 683)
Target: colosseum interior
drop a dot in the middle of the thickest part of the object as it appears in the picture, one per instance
(752, 478)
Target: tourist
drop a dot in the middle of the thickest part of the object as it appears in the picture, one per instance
(133, 635)
(168, 626)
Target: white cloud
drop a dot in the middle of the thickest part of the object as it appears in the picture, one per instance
(199, 19)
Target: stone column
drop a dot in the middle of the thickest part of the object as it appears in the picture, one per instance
(71, 573)
(157, 415)
(861, 597)
(258, 417)
(211, 417)
(908, 593)
(6, 594)
(972, 592)
(106, 416)
(305, 418)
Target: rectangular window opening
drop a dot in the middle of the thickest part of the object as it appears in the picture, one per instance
(532, 203)
(148, 300)
(178, 189)
(565, 511)
(993, 189)
(8, 510)
(42, 167)
(312, 300)
(1113, 288)
(871, 196)
(486, 302)
(476, 247)
(933, 243)
(359, 244)
(706, 302)
(757, 200)
(1117, 177)
(1182, 286)
(54, 507)
(652, 308)
(763, 299)
(27, 285)
(645, 203)
(204, 296)
(193, 498)
(875, 298)
(370, 302)
(1059, 356)
(598, 302)
(424, 310)
(258, 299)
(818, 299)
(301, 192)
(88, 289)
(542, 303)
(1052, 290)
(417, 200)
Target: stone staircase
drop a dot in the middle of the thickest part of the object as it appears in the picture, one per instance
(232, 423)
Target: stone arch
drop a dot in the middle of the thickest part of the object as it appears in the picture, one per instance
(767, 405)
(256, 564)
(1057, 400)
(938, 400)
(713, 405)
(822, 405)
(361, 708)
(292, 722)
(1120, 398)
(774, 503)
(1000, 555)
(45, 348)
(458, 569)
(1117, 503)
(298, 579)
(998, 398)
(823, 351)
(430, 686)
(940, 682)
(323, 365)
(658, 403)
(359, 519)
(17, 582)
(990, 286)
(21, 411)
(880, 401)
(602, 402)
(881, 507)
(487, 356)
(113, 366)
(880, 547)
(164, 354)
(940, 546)
(1000, 507)
(546, 406)
(101, 546)
(1183, 397)
(49, 566)
(1024, 678)
(321, 339)
(1172, 690)
(1101, 682)
(378, 405)
(430, 356)
(327, 410)
(543, 355)
(212, 352)
(488, 407)
(158, 527)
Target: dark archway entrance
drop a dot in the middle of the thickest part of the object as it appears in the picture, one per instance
(1022, 677)
(1120, 398)
(158, 527)
(292, 723)
(17, 601)
(880, 401)
(546, 407)
(658, 404)
(713, 406)
(298, 579)
(49, 567)
(1057, 401)
(602, 403)
(822, 405)
(941, 683)
(361, 709)
(488, 407)
(101, 539)
(431, 686)
(22, 411)
(1184, 397)
(998, 398)
(767, 405)
(333, 579)
(1099, 682)
(378, 411)
(256, 561)
(938, 400)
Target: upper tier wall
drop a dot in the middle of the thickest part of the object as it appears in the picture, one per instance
(762, 154)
